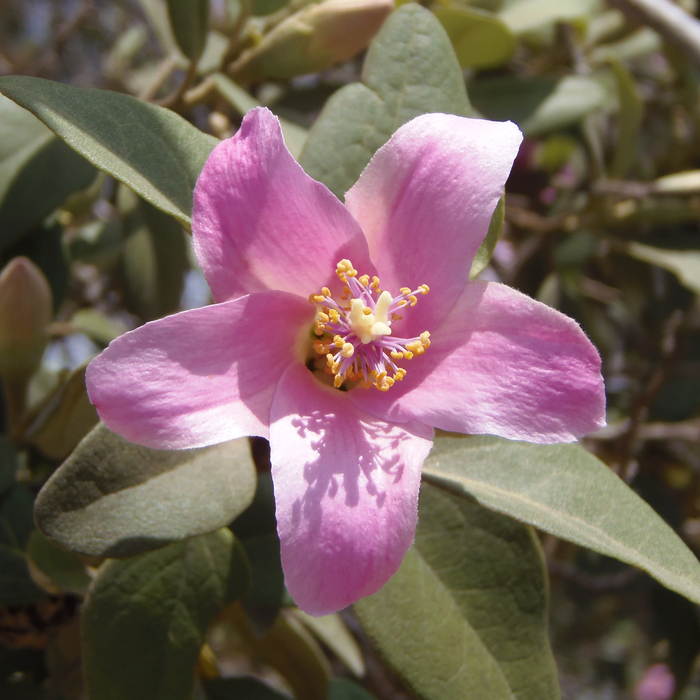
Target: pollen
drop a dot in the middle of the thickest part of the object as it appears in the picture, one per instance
(355, 334)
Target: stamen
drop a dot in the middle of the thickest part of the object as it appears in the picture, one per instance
(359, 345)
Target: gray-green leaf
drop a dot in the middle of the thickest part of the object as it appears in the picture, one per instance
(565, 490)
(113, 498)
(154, 151)
(145, 618)
(465, 615)
(189, 20)
(410, 69)
(37, 171)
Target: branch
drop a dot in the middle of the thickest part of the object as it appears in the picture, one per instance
(674, 24)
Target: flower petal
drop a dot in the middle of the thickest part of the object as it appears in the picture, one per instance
(346, 488)
(425, 202)
(260, 222)
(503, 364)
(199, 377)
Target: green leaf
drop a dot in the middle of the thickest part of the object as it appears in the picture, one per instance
(629, 121)
(16, 525)
(240, 689)
(112, 498)
(331, 630)
(63, 570)
(37, 171)
(289, 649)
(242, 102)
(565, 490)
(488, 245)
(150, 149)
(410, 69)
(45, 247)
(189, 20)
(480, 39)
(145, 618)
(154, 258)
(343, 689)
(685, 264)
(63, 419)
(541, 104)
(480, 630)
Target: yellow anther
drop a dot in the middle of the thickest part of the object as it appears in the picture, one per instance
(325, 291)
(366, 384)
(425, 339)
(348, 350)
(413, 347)
(318, 298)
(375, 282)
(345, 267)
(364, 280)
(335, 316)
(413, 300)
(338, 341)
(323, 318)
(319, 329)
(408, 355)
(320, 348)
(373, 374)
(402, 303)
(396, 354)
(380, 377)
(424, 288)
(367, 311)
(338, 381)
(405, 291)
(400, 374)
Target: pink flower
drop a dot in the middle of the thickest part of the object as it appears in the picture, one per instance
(657, 683)
(346, 462)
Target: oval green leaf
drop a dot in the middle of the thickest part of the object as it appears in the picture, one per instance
(189, 20)
(410, 69)
(145, 618)
(37, 171)
(480, 630)
(480, 39)
(154, 151)
(565, 490)
(112, 498)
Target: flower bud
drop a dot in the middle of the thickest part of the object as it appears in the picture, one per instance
(25, 313)
(313, 39)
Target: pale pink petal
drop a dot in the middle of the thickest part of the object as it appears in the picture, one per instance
(260, 222)
(425, 203)
(502, 364)
(199, 377)
(346, 489)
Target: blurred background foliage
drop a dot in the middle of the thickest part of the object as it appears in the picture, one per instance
(601, 222)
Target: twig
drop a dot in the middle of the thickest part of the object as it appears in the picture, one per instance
(671, 351)
(165, 70)
(672, 22)
(593, 582)
(175, 99)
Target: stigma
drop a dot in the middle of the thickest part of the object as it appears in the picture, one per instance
(355, 333)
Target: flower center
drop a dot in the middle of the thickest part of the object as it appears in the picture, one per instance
(355, 335)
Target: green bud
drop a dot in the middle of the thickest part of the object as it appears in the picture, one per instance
(25, 313)
(313, 39)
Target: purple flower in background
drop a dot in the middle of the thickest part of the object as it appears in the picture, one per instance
(657, 683)
(345, 334)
